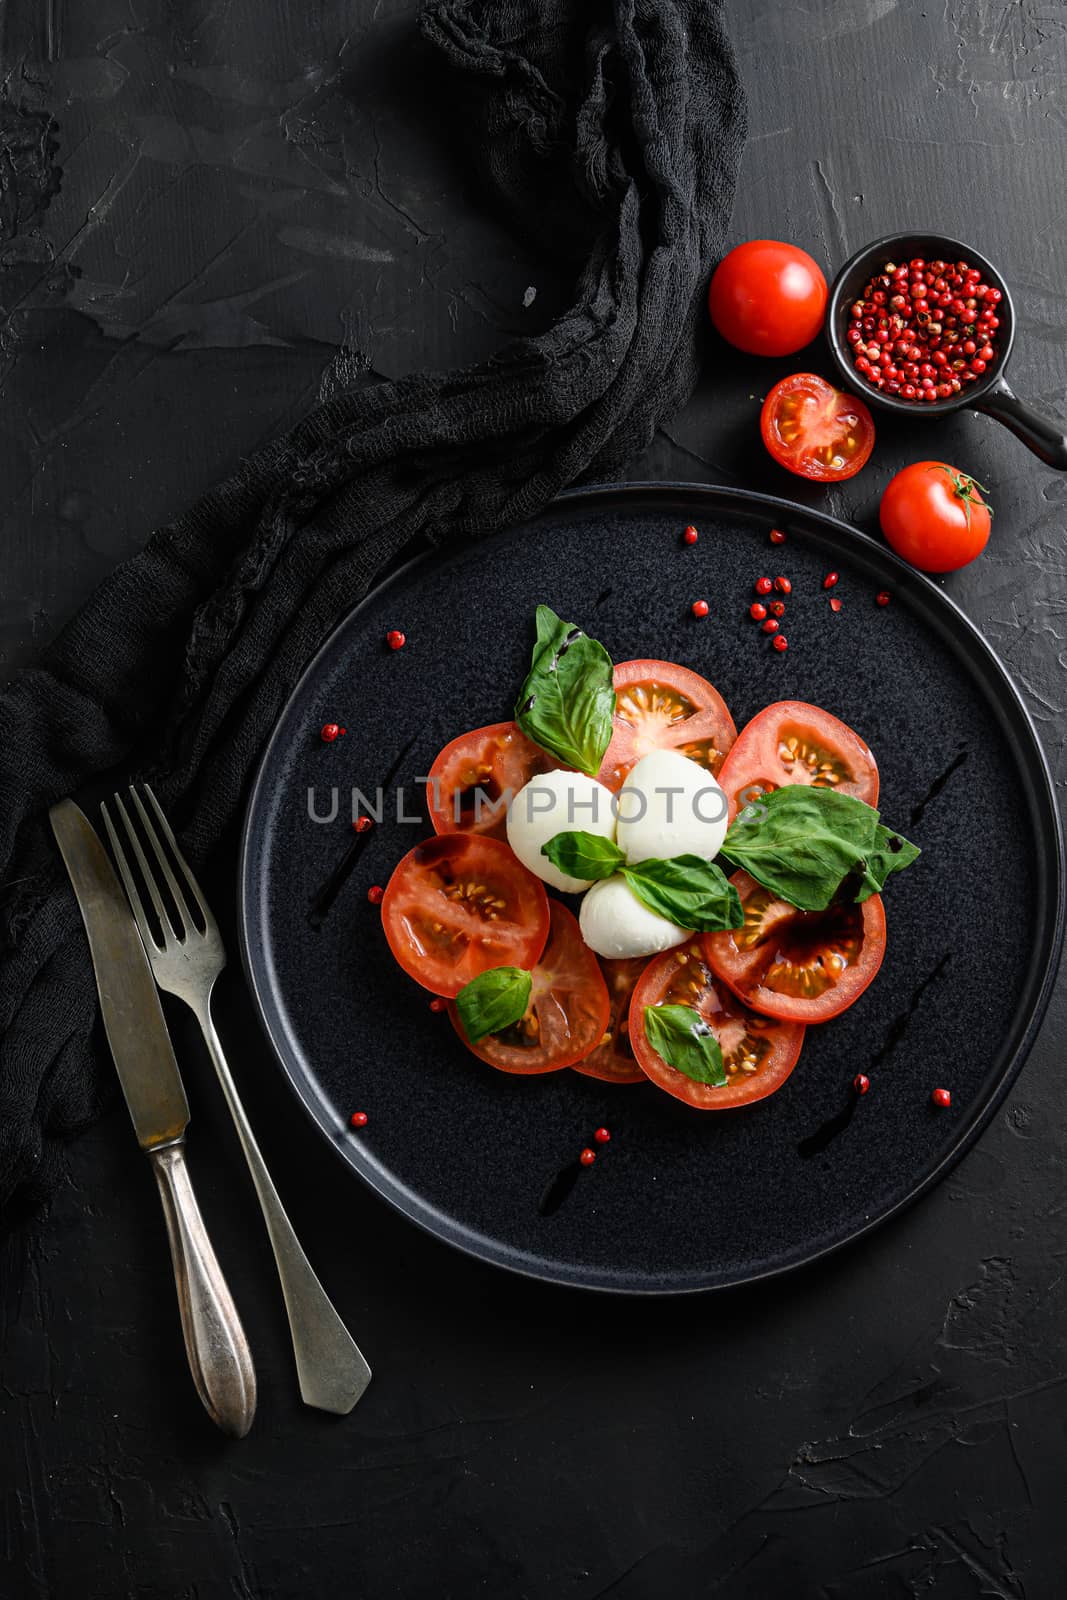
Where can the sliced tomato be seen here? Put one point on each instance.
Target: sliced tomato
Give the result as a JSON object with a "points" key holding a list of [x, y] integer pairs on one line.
{"points": [[815, 430], [475, 776], [568, 1010], [758, 1052], [792, 742], [662, 706], [802, 966], [613, 1058], [458, 904]]}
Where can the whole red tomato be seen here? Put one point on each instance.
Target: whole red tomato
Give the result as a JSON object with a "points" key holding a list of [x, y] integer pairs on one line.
{"points": [[768, 298], [934, 516]]}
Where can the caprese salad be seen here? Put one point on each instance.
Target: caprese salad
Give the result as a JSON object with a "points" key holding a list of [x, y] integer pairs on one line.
{"points": [[630, 787]]}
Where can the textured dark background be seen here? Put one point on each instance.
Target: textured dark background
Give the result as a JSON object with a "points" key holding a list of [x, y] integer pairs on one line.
{"points": [[240, 206]]}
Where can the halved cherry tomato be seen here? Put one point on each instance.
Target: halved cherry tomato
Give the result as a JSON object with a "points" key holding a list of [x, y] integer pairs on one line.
{"points": [[802, 966], [758, 1053], [934, 516], [661, 706], [458, 904], [815, 430], [567, 1013], [792, 742], [475, 776], [613, 1059], [768, 298]]}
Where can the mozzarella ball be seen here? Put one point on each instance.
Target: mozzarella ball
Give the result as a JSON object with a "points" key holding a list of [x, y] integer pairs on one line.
{"points": [[615, 923], [670, 806], [557, 802]]}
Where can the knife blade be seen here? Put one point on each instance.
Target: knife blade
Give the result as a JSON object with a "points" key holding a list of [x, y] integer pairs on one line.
{"points": [[129, 1000], [215, 1343]]}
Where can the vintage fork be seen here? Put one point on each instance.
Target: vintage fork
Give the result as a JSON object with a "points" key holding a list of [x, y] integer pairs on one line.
{"points": [[331, 1370]]}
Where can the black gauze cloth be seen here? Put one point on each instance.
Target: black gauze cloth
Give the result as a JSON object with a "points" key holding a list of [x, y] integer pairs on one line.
{"points": [[615, 128]]}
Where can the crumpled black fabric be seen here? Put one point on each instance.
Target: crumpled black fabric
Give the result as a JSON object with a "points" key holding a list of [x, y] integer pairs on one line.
{"points": [[614, 128]]}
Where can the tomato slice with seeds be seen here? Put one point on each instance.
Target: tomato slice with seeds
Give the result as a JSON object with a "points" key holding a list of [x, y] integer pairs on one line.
{"points": [[568, 1010], [792, 742], [815, 430], [802, 966], [758, 1052], [475, 776], [613, 1058], [662, 706], [458, 904]]}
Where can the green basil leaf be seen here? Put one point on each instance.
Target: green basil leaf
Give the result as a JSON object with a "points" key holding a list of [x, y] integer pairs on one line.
{"points": [[493, 1000], [891, 853], [682, 1037], [688, 891], [567, 702], [801, 843], [584, 855]]}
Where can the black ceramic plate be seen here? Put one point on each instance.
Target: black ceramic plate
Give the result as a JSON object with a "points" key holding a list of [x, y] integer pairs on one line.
{"points": [[678, 1200]]}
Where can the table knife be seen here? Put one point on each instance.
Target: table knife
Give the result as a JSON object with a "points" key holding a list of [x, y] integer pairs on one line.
{"points": [[219, 1357]]}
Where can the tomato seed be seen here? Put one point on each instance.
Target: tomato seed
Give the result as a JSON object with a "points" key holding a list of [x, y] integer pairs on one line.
{"points": [[770, 626], [358, 1119], [941, 1097], [829, 580], [375, 894], [700, 608], [330, 731], [783, 585], [781, 642], [587, 1157], [602, 1136], [395, 639], [764, 585], [861, 1083], [882, 598], [690, 535], [756, 611]]}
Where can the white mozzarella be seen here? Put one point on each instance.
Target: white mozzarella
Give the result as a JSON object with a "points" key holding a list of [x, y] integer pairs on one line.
{"points": [[615, 923], [670, 806], [557, 802]]}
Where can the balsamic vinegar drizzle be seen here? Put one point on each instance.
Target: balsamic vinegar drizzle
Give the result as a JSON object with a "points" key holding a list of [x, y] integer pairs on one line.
{"points": [[322, 901]]}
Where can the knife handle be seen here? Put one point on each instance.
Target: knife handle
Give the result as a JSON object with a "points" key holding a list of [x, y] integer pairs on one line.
{"points": [[219, 1357]]}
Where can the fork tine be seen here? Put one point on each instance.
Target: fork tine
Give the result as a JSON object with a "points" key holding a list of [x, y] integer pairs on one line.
{"points": [[133, 894], [190, 877], [165, 867]]}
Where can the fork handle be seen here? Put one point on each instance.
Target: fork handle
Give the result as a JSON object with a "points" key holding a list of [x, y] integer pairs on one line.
{"points": [[330, 1367], [219, 1357]]}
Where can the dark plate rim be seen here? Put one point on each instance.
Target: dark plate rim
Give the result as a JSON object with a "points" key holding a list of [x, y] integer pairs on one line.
{"points": [[777, 508]]}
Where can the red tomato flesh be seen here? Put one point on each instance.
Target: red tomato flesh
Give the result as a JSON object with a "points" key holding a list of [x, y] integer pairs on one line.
{"points": [[758, 1052], [459, 904], [801, 966], [662, 706], [815, 430], [792, 742], [613, 1058], [568, 1011], [768, 298], [475, 777]]}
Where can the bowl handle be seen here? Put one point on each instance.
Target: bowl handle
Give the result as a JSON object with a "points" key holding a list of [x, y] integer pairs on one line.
{"points": [[1045, 436]]}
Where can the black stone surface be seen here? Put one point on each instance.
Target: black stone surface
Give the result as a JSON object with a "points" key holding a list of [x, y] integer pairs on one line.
{"points": [[242, 203]]}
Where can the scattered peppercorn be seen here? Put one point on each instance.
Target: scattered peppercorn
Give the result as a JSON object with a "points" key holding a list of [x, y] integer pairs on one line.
{"points": [[777, 536], [882, 598], [690, 535], [829, 580], [358, 1119], [781, 643], [395, 639], [941, 1097], [764, 585], [329, 732], [861, 1083], [602, 1136], [375, 894], [587, 1157], [700, 608]]}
